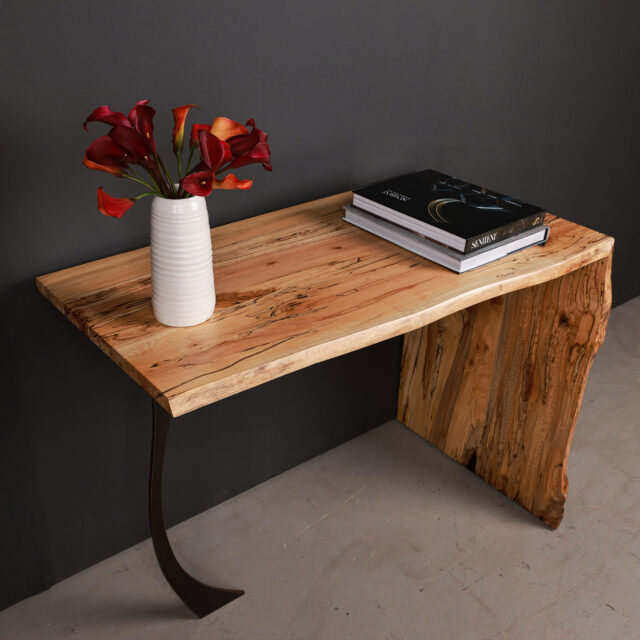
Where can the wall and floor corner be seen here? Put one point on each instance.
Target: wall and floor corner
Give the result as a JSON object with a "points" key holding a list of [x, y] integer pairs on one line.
{"points": [[540, 102]]}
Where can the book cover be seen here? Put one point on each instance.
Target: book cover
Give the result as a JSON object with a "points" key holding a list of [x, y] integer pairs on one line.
{"points": [[459, 214]]}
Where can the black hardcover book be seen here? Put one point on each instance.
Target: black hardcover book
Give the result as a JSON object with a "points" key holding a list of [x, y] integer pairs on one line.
{"points": [[459, 214], [450, 258]]}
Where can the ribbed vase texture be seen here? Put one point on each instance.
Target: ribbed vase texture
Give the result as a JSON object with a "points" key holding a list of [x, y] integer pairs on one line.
{"points": [[182, 286]]}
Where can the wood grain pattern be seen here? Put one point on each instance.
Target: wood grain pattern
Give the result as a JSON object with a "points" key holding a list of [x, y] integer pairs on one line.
{"points": [[294, 287], [498, 386]]}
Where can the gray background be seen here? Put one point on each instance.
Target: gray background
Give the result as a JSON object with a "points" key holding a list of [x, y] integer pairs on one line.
{"points": [[540, 100]]}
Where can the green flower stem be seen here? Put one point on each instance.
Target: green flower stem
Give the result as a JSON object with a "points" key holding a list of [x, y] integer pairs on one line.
{"points": [[179, 157], [137, 178], [158, 182], [159, 162], [137, 175], [166, 181], [156, 178], [143, 195], [189, 160]]}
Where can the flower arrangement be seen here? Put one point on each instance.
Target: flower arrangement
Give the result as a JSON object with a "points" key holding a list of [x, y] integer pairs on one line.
{"points": [[223, 145]]}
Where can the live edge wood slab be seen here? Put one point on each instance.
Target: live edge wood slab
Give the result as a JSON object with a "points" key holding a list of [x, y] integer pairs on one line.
{"points": [[495, 360]]}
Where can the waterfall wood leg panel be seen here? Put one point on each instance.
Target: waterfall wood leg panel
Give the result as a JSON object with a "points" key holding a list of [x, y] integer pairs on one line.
{"points": [[498, 386], [495, 360]]}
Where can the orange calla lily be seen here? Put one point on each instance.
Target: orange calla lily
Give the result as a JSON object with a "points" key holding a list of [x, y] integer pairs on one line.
{"points": [[114, 207], [225, 128], [179, 116], [231, 182]]}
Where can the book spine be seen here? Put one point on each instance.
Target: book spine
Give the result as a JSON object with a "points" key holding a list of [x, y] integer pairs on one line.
{"points": [[497, 235]]}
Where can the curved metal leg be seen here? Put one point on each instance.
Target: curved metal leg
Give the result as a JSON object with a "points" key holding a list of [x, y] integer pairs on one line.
{"points": [[200, 598]]}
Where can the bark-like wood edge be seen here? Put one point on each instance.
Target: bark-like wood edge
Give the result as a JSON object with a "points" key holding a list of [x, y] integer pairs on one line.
{"points": [[498, 386]]}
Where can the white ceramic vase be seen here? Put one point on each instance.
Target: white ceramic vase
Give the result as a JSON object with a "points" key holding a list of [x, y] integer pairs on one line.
{"points": [[182, 286]]}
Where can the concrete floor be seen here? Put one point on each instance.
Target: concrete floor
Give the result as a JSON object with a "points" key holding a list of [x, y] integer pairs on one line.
{"points": [[386, 538]]}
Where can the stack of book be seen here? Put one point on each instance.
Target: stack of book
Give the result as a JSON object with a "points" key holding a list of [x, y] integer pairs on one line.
{"points": [[454, 223]]}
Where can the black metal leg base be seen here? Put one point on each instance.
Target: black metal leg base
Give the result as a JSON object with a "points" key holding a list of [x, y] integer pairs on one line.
{"points": [[200, 598]]}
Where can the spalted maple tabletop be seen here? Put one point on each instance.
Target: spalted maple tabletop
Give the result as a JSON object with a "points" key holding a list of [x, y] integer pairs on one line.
{"points": [[294, 287]]}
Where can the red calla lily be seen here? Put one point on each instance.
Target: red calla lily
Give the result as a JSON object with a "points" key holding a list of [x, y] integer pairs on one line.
{"points": [[114, 207], [231, 182], [142, 120], [112, 169], [250, 148], [223, 144], [198, 183], [104, 114], [215, 152], [224, 128], [133, 143], [133, 114], [106, 151], [195, 130], [179, 116]]}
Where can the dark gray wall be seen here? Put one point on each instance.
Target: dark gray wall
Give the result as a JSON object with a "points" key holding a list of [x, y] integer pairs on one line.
{"points": [[540, 100]]}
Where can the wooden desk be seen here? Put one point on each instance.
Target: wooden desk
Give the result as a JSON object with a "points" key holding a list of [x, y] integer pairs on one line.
{"points": [[494, 363]]}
